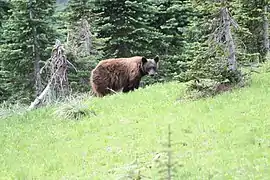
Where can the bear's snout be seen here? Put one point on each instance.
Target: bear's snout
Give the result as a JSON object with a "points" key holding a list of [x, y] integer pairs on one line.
{"points": [[151, 73]]}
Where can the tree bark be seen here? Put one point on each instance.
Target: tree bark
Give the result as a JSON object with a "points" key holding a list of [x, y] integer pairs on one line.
{"points": [[36, 54], [265, 30], [39, 99], [229, 39], [36, 64], [87, 35]]}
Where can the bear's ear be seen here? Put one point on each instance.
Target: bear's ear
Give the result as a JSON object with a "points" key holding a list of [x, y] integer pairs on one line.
{"points": [[144, 60], [156, 58]]}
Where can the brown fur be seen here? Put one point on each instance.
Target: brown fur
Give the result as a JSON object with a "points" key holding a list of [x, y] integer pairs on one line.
{"points": [[122, 74]]}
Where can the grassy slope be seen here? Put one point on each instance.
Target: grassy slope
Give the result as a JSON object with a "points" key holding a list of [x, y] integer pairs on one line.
{"points": [[226, 137]]}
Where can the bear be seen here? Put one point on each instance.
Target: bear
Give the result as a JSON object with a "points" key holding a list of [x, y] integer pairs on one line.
{"points": [[121, 74]]}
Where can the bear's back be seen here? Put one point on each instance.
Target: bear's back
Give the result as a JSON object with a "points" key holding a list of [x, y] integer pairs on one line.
{"points": [[136, 59], [120, 64]]}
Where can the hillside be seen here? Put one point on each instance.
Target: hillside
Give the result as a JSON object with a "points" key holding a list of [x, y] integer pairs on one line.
{"points": [[226, 137]]}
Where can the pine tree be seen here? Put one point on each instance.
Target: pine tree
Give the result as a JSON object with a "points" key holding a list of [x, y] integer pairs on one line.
{"points": [[211, 50], [171, 19], [81, 28], [125, 25], [82, 44], [26, 37], [4, 7], [253, 16]]}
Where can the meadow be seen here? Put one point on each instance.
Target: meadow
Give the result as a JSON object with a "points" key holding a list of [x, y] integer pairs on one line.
{"points": [[224, 137]]}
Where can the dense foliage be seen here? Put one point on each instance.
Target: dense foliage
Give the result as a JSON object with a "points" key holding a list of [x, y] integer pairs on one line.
{"points": [[82, 46], [27, 35], [195, 39]]}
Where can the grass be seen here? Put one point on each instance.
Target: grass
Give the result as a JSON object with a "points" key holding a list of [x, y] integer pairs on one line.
{"points": [[225, 137]]}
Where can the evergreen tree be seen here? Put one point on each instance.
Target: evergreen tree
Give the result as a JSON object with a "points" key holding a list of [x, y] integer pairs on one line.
{"points": [[4, 7], [79, 19], [210, 50], [253, 16], [171, 19], [125, 25], [82, 44], [26, 35]]}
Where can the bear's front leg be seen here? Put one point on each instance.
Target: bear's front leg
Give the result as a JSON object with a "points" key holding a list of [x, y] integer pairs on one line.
{"points": [[136, 84], [126, 89], [131, 86]]}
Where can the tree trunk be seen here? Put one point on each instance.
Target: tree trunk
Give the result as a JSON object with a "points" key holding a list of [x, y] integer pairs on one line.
{"points": [[87, 35], [265, 30], [39, 99], [229, 39], [36, 54], [36, 64]]}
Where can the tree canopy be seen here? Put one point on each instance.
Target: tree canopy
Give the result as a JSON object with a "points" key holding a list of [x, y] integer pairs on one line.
{"points": [[195, 39]]}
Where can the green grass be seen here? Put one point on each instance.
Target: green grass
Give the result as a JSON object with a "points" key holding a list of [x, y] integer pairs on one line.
{"points": [[225, 137]]}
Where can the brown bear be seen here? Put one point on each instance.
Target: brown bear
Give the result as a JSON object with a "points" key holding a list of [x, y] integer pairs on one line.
{"points": [[121, 74]]}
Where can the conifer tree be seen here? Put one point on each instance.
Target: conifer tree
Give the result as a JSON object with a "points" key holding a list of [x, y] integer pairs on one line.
{"points": [[253, 16], [211, 52], [4, 7], [171, 19], [125, 24], [26, 35], [82, 44], [79, 18]]}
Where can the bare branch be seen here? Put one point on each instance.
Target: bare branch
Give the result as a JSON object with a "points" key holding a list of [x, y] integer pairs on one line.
{"points": [[72, 65], [57, 84]]}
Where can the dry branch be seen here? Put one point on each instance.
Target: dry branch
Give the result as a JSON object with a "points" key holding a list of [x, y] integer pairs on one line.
{"points": [[56, 70]]}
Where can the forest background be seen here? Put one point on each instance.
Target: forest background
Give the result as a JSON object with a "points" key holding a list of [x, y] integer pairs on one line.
{"points": [[195, 39]]}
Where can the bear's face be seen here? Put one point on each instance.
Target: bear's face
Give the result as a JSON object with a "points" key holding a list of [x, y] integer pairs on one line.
{"points": [[150, 66]]}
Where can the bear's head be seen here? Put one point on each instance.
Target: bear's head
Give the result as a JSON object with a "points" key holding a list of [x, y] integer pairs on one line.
{"points": [[150, 66]]}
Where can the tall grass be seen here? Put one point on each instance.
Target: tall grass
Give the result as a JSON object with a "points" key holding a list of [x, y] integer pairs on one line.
{"points": [[224, 137]]}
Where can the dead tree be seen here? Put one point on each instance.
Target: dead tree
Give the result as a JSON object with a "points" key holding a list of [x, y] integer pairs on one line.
{"points": [[56, 71], [80, 38], [223, 34], [86, 35], [229, 39], [58, 67]]}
